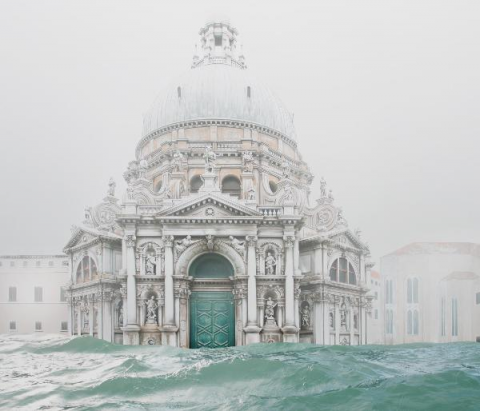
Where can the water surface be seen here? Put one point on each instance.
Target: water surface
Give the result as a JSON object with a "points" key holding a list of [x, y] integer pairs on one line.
{"points": [[57, 373]]}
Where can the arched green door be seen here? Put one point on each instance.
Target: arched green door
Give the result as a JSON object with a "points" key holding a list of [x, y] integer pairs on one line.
{"points": [[212, 316]]}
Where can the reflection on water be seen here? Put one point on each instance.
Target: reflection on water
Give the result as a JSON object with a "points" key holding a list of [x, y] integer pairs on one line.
{"points": [[55, 373]]}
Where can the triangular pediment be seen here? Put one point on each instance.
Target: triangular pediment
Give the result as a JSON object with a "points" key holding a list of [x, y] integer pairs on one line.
{"points": [[85, 235], [347, 238], [210, 206]]}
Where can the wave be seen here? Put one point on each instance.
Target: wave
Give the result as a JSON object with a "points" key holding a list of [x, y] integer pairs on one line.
{"points": [[54, 372]]}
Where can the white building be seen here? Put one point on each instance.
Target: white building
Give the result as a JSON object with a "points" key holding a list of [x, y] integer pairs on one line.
{"points": [[215, 242], [31, 295], [375, 329], [432, 293]]}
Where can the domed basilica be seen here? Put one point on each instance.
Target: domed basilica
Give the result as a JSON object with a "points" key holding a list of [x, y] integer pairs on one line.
{"points": [[215, 242]]}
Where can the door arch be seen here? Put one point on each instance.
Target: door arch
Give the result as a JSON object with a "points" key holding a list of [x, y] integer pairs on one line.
{"points": [[212, 309]]}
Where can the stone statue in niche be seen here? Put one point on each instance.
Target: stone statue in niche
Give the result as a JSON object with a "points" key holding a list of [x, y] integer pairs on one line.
{"points": [[182, 245], [331, 318], [306, 316], [248, 162], [120, 316], [151, 310], [251, 194], [343, 316], [111, 187], [210, 158], [150, 264], [270, 264], [270, 312], [238, 245]]}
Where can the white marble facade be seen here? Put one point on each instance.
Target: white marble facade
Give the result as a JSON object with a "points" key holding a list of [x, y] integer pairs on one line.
{"points": [[217, 172]]}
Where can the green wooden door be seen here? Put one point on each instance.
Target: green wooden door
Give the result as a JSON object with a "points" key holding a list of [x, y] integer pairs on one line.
{"points": [[212, 322]]}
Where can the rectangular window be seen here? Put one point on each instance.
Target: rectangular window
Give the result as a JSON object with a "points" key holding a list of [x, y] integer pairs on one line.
{"points": [[454, 317], [12, 263], [389, 320], [64, 326], [38, 294], [13, 326], [376, 314], [38, 326], [376, 295], [12, 294], [478, 298], [63, 296], [218, 41]]}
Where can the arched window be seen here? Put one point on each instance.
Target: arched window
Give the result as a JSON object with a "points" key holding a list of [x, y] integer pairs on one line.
{"points": [[195, 184], [342, 271], [231, 185], [412, 291], [86, 270], [389, 321], [179, 92], [249, 92], [211, 265], [409, 322]]}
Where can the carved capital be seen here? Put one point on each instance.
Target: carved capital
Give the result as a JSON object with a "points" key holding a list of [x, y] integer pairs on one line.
{"points": [[289, 241], [130, 240], [168, 240], [251, 240]]}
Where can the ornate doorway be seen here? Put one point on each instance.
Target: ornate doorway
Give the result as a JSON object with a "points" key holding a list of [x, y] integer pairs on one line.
{"points": [[212, 314]]}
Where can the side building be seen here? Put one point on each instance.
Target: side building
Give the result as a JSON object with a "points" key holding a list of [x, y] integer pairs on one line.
{"points": [[432, 293], [32, 297]]}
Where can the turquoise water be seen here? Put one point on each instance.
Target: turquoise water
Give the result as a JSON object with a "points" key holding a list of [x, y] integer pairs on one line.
{"points": [[54, 373]]}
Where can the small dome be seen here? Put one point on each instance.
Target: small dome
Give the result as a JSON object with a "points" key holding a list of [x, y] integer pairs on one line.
{"points": [[219, 92]]}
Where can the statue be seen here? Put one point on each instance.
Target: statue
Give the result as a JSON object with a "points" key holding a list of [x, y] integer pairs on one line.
{"points": [[323, 188], [340, 219], [210, 242], [332, 320], [270, 312], [270, 264], [238, 245], [150, 264], [343, 316], [120, 317], [306, 316], [251, 194], [111, 187], [330, 195], [130, 195], [151, 310], [210, 158], [248, 162], [288, 194], [286, 168], [182, 245], [178, 161]]}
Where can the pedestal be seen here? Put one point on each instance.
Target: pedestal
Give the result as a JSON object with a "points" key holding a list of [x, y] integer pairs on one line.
{"points": [[252, 334], [131, 335], [169, 335], [290, 334]]}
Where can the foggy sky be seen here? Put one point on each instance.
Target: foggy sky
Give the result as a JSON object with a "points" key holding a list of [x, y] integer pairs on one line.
{"points": [[385, 96]]}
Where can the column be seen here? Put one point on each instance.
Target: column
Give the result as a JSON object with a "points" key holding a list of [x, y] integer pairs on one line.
{"points": [[252, 329], [79, 318], [337, 323], [318, 325], [107, 316], [169, 329], [296, 257], [91, 310], [350, 320], [318, 261], [131, 330], [289, 331]]}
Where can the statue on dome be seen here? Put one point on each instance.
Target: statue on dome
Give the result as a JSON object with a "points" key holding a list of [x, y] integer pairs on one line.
{"points": [[111, 187], [247, 161], [210, 158], [178, 161], [323, 188], [286, 168]]}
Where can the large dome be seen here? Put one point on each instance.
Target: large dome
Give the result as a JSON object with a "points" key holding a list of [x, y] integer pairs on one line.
{"points": [[219, 92]]}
